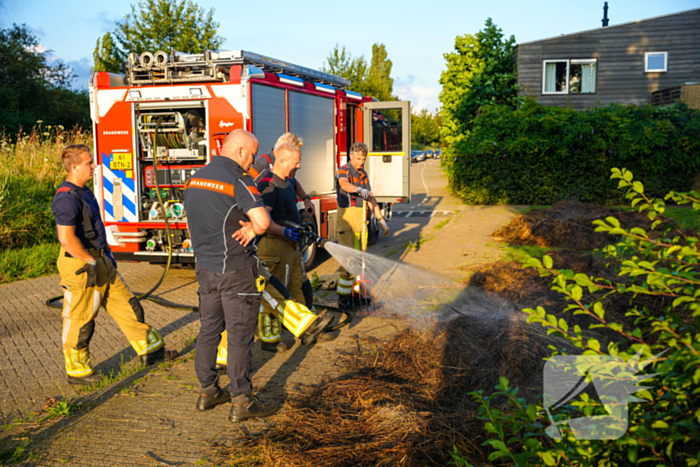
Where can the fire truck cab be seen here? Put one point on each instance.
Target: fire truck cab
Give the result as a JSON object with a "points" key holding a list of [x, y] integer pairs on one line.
{"points": [[168, 114]]}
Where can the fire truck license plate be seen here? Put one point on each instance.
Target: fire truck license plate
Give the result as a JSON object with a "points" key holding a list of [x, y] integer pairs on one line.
{"points": [[121, 161]]}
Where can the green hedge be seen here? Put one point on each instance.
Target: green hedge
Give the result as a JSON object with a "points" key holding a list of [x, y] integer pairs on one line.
{"points": [[540, 155]]}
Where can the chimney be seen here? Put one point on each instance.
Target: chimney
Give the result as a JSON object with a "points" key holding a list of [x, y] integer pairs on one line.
{"points": [[605, 14]]}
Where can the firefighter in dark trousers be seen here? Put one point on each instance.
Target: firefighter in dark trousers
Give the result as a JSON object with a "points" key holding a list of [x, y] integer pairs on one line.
{"points": [[353, 190], [261, 166], [278, 248], [224, 213], [89, 275]]}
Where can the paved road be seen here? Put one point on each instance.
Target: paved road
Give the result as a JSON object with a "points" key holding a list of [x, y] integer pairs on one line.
{"points": [[157, 420], [31, 367]]}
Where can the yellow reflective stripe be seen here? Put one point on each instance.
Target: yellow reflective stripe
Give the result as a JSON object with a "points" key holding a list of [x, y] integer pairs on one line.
{"points": [[222, 355], [153, 342], [78, 362], [306, 322], [269, 329], [292, 315]]}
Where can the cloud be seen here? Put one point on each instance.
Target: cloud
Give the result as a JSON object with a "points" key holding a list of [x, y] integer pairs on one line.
{"points": [[421, 97], [81, 68], [106, 21], [37, 49]]}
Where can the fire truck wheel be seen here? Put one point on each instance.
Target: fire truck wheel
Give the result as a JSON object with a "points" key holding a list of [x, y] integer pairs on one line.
{"points": [[309, 254]]}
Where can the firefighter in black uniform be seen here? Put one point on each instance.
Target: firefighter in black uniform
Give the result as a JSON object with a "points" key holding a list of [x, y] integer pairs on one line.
{"points": [[262, 167], [224, 214]]}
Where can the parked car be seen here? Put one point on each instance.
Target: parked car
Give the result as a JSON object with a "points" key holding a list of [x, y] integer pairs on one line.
{"points": [[438, 153], [417, 156], [429, 154]]}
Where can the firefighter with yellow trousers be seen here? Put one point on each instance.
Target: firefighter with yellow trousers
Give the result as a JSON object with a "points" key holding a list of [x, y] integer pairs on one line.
{"points": [[89, 275], [353, 190], [278, 248]]}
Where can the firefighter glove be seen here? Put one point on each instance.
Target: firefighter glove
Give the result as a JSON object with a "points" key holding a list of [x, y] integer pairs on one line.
{"points": [[109, 255], [364, 193], [90, 269], [385, 228], [292, 234]]}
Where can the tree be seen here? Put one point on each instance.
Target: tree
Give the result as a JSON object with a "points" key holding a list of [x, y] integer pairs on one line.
{"points": [[480, 71], [341, 63], [33, 89], [424, 129], [156, 25], [107, 56], [369, 80], [379, 83]]}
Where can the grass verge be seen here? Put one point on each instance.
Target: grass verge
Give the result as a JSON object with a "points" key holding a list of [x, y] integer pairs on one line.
{"points": [[685, 217], [30, 173], [28, 262]]}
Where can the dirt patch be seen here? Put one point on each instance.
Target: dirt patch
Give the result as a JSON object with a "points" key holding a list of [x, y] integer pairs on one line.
{"points": [[405, 403], [568, 224]]}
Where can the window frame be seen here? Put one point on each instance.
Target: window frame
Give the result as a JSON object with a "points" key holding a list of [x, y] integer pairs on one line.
{"points": [[646, 62], [569, 61], [544, 76], [584, 61]]}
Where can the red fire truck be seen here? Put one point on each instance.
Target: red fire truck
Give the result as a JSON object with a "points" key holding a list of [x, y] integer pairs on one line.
{"points": [[168, 114]]}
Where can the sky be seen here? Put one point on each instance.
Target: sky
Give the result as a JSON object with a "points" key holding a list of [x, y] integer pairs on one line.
{"points": [[416, 34]]}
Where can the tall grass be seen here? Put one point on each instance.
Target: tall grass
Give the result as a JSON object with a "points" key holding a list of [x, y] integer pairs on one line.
{"points": [[30, 173]]}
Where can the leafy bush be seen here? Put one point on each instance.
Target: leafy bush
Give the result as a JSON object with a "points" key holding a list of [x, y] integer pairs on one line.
{"points": [[664, 428], [536, 154]]}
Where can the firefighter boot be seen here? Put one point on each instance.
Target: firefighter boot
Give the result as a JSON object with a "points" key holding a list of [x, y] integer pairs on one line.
{"points": [[274, 347], [78, 367], [160, 355], [315, 329], [85, 380], [212, 396], [248, 406]]}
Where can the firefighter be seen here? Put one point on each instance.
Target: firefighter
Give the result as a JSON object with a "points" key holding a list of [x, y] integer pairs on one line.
{"points": [[261, 166], [353, 190], [278, 249], [224, 206], [89, 275], [264, 163]]}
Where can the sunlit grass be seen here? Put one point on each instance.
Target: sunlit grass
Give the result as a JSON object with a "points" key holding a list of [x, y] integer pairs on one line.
{"points": [[30, 174]]}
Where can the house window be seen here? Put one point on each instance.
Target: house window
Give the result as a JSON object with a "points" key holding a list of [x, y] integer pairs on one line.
{"points": [[655, 62], [556, 77], [576, 76], [582, 76]]}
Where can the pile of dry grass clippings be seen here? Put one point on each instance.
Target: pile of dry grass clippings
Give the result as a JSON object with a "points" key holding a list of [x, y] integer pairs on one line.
{"points": [[406, 403], [568, 224]]}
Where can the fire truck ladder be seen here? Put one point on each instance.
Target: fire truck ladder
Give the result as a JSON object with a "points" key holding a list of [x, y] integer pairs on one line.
{"points": [[179, 67]]}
